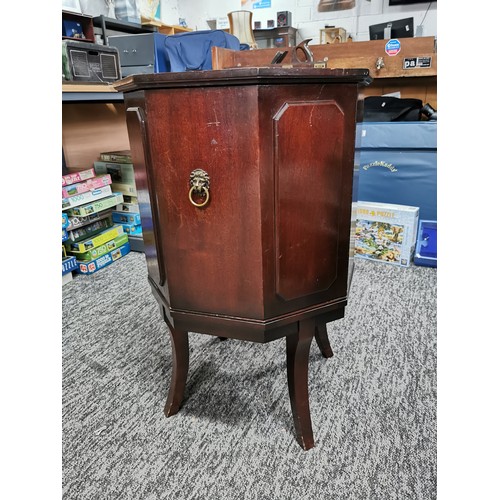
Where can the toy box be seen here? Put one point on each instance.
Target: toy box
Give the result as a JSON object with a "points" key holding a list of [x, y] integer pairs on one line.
{"points": [[126, 189], [122, 156], [85, 198], [101, 250], [100, 239], [126, 217], [65, 234], [78, 176], [78, 222], [133, 229], [85, 232], [85, 186], [386, 232], [120, 172], [103, 261], [69, 264], [65, 221], [128, 207], [96, 206], [426, 248], [398, 164]]}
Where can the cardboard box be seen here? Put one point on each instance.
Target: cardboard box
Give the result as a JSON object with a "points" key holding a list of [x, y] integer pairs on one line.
{"points": [[122, 173], [96, 206], [426, 248], [100, 239], [126, 217], [103, 249], [85, 198], [78, 222], [78, 176], [69, 264], [125, 189], [65, 221], [85, 232], [103, 261], [133, 229], [85, 186], [398, 164], [386, 232]]}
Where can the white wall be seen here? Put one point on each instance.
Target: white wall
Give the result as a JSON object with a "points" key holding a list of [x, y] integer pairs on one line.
{"points": [[305, 16]]}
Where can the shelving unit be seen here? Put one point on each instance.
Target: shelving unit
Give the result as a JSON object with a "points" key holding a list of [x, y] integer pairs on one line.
{"points": [[93, 120], [86, 23]]}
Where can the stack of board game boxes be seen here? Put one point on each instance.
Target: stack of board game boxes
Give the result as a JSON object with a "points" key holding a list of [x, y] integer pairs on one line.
{"points": [[91, 239], [118, 165]]}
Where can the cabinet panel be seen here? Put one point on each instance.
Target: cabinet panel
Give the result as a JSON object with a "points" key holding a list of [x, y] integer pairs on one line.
{"points": [[308, 177]]}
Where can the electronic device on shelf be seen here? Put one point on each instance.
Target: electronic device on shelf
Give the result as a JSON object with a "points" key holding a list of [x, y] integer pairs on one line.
{"points": [[401, 28]]}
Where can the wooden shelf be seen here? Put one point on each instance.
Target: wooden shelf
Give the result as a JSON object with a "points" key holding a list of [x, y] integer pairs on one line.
{"points": [[166, 29]]}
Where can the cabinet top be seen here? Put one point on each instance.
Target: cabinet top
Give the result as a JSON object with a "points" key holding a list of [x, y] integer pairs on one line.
{"points": [[243, 76]]}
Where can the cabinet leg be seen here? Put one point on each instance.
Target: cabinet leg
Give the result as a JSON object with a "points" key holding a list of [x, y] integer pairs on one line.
{"points": [[321, 336], [297, 354], [180, 365]]}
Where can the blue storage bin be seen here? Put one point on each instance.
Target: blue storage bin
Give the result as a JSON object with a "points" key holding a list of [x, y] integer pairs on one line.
{"points": [[398, 164]]}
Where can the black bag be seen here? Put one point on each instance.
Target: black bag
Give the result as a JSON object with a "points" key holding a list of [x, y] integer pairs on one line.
{"points": [[391, 109]]}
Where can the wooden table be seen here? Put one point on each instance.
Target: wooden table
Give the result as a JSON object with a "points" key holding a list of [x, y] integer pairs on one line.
{"points": [[244, 182]]}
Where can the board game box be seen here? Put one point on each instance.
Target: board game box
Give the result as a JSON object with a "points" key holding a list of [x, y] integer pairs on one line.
{"points": [[123, 156], [85, 186], [120, 172], [104, 260], [133, 229], [386, 232], [96, 206], [69, 264], [89, 230], [101, 250], [126, 189], [85, 198], [78, 176], [100, 239], [65, 221], [78, 222], [126, 217]]}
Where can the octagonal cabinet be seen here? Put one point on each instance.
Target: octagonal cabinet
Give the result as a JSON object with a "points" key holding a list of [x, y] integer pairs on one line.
{"points": [[245, 181]]}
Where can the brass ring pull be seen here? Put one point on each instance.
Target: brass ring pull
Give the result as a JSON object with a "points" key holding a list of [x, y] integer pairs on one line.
{"points": [[199, 181], [207, 195]]}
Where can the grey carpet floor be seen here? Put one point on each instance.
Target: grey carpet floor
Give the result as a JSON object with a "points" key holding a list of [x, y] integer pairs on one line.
{"points": [[373, 405]]}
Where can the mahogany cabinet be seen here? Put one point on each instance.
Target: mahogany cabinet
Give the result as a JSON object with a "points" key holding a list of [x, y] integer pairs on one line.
{"points": [[245, 180]]}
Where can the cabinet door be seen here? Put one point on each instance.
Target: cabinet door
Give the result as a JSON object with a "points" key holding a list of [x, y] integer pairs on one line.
{"points": [[310, 154], [212, 252]]}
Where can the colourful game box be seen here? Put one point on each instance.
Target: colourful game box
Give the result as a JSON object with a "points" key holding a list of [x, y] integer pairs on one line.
{"points": [[85, 198], [120, 172], [89, 230], [128, 207], [103, 261], [101, 250], [386, 232], [133, 229], [65, 235], [126, 217], [85, 186], [97, 206], [69, 264], [78, 176], [100, 239], [78, 222], [126, 189], [65, 221]]}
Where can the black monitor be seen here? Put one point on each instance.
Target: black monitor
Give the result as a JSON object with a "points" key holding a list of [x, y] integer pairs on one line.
{"points": [[402, 28]]}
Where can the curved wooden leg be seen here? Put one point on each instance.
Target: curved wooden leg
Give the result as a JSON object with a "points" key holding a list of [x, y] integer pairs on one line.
{"points": [[180, 365], [297, 354], [321, 336]]}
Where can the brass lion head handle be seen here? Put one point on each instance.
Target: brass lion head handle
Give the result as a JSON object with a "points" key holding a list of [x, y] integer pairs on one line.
{"points": [[199, 181]]}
